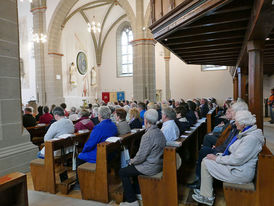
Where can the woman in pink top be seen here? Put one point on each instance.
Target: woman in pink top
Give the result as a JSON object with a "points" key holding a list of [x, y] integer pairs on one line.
{"points": [[84, 122], [46, 117]]}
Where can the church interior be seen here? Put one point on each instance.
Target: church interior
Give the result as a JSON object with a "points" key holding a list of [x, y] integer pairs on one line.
{"points": [[75, 71]]}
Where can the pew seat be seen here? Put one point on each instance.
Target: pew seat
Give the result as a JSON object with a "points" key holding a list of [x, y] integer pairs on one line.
{"points": [[94, 178], [257, 193], [43, 171], [248, 186]]}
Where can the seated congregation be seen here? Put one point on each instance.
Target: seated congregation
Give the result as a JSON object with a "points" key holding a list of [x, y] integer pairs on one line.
{"points": [[229, 153]]}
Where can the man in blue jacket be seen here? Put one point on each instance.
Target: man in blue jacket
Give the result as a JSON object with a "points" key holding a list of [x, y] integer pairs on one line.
{"points": [[106, 128]]}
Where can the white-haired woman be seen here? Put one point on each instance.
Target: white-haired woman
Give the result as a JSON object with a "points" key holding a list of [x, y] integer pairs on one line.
{"points": [[148, 160], [238, 162]]}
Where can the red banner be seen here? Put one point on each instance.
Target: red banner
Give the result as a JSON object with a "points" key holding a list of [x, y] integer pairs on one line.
{"points": [[105, 97]]}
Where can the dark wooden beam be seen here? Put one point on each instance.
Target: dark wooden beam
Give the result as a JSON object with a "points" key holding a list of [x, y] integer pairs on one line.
{"points": [[224, 28], [184, 17], [221, 19], [206, 45], [255, 80], [212, 58], [183, 51], [235, 88], [222, 62], [207, 37], [208, 54]]}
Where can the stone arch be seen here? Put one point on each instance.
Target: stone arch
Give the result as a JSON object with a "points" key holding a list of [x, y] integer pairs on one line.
{"points": [[54, 88], [60, 14]]}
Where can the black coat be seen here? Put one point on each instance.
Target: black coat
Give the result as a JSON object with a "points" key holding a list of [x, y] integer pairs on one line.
{"points": [[135, 124], [191, 117], [28, 120]]}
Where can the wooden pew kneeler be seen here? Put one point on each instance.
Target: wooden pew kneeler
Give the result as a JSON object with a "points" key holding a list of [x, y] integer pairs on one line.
{"points": [[163, 185]]}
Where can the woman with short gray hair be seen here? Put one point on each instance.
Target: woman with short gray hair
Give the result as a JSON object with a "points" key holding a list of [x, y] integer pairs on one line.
{"points": [[237, 163], [148, 160], [104, 113]]}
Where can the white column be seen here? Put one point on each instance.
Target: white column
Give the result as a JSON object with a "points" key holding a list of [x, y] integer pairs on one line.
{"points": [[38, 9]]}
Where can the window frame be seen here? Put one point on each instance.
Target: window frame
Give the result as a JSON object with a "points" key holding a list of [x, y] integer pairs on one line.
{"points": [[119, 53], [210, 68]]}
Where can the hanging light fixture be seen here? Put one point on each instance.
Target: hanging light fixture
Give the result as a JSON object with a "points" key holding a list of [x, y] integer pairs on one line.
{"points": [[95, 27], [37, 38]]}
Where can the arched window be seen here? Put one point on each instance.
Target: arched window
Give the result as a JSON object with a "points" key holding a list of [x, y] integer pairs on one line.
{"points": [[124, 50]]}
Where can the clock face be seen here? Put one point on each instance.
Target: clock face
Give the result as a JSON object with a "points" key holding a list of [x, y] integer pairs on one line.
{"points": [[82, 63]]}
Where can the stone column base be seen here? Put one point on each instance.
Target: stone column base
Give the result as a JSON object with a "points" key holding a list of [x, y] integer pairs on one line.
{"points": [[17, 157]]}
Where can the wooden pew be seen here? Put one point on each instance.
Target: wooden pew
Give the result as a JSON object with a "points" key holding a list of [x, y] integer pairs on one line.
{"points": [[257, 193], [43, 170], [93, 177], [37, 134], [13, 189], [223, 136], [210, 119], [162, 189]]}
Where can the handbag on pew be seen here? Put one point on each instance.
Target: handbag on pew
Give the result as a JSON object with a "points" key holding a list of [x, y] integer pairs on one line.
{"points": [[125, 158]]}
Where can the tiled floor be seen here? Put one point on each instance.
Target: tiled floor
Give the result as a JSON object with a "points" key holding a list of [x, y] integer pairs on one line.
{"points": [[74, 197]]}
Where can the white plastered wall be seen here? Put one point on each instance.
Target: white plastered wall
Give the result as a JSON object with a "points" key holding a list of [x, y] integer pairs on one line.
{"points": [[188, 81], [76, 38], [108, 70]]}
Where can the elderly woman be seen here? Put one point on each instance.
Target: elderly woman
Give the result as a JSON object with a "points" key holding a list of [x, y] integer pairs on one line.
{"points": [[135, 119], [84, 122], [148, 160], [106, 128], [122, 126], [237, 163]]}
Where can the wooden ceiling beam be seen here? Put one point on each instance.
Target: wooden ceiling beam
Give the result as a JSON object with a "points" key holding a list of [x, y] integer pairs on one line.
{"points": [[221, 19], [221, 63], [203, 45], [217, 58], [186, 55], [207, 37], [238, 26], [216, 48], [231, 9]]}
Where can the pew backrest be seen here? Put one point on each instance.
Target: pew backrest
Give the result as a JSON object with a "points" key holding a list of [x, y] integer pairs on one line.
{"points": [[13, 189]]}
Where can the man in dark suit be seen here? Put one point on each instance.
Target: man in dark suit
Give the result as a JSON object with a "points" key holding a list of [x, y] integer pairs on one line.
{"points": [[204, 107], [28, 119]]}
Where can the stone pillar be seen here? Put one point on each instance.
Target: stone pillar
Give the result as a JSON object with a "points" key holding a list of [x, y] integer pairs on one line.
{"points": [[167, 60], [144, 69], [16, 150], [144, 86], [235, 88], [255, 79], [38, 9]]}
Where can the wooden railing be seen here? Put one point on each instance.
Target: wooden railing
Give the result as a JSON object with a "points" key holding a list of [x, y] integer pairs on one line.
{"points": [[160, 8]]}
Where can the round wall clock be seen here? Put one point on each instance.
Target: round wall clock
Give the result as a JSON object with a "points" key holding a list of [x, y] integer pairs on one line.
{"points": [[81, 61]]}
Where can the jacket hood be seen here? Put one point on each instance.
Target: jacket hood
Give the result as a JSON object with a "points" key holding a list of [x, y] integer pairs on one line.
{"points": [[254, 131]]}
